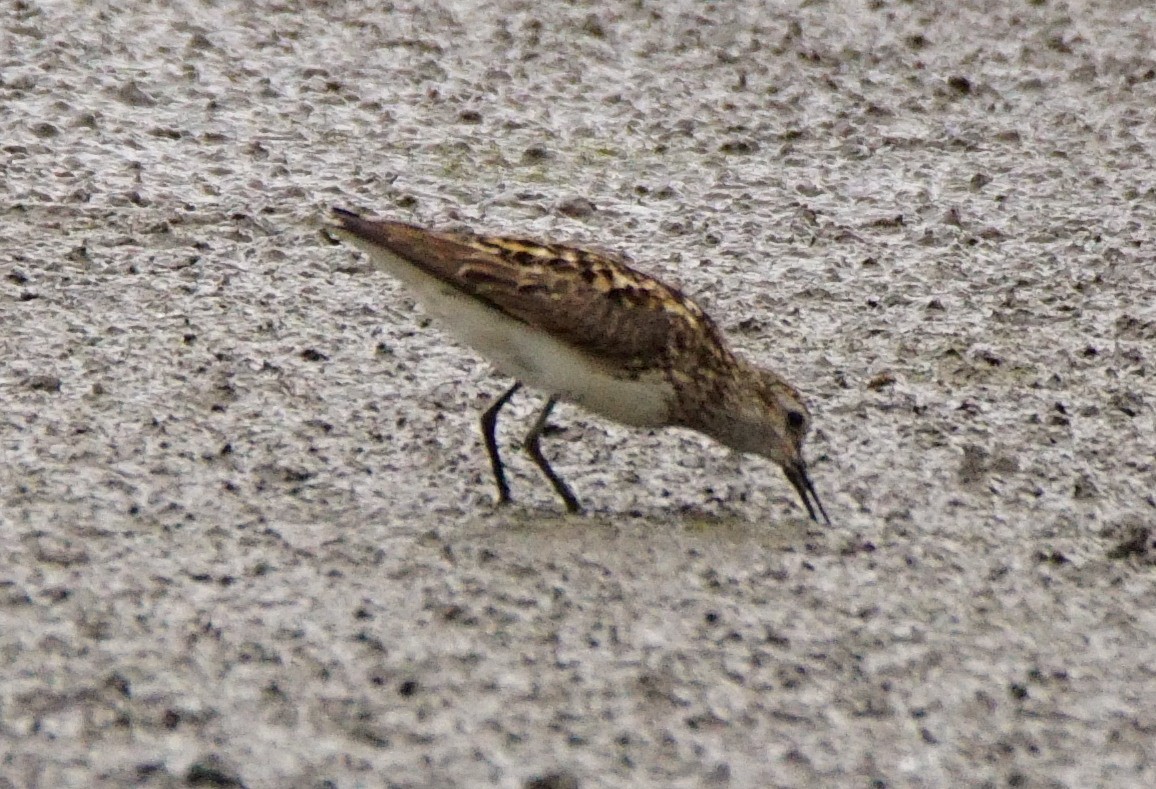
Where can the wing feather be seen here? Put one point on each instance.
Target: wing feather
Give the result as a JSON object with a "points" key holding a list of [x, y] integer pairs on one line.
{"points": [[592, 301]]}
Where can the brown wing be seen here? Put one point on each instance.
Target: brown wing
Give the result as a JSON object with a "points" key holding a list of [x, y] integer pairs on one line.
{"points": [[591, 301]]}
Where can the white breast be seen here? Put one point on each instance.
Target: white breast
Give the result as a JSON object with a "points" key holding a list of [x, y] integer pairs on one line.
{"points": [[533, 357]]}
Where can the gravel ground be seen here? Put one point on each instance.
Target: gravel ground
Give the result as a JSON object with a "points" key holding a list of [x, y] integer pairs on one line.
{"points": [[248, 536]]}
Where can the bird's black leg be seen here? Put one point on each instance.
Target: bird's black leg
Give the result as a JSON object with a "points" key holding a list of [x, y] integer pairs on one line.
{"points": [[530, 444], [489, 425]]}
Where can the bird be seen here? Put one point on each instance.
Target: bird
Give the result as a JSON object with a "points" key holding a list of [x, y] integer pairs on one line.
{"points": [[588, 328]]}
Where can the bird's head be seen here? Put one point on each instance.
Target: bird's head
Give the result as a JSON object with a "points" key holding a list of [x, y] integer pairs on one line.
{"points": [[772, 420]]}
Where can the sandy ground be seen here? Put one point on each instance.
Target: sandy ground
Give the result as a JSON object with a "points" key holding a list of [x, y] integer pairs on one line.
{"points": [[246, 520]]}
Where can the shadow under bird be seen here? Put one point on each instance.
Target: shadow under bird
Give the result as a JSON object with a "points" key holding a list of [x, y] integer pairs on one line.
{"points": [[587, 328]]}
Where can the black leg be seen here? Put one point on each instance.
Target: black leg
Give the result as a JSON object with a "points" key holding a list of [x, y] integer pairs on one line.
{"points": [[489, 425], [531, 446]]}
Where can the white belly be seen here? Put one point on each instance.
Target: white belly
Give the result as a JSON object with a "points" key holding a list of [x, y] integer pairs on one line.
{"points": [[534, 358]]}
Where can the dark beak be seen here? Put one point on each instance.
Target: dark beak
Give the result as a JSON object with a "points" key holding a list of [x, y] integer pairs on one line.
{"points": [[797, 474]]}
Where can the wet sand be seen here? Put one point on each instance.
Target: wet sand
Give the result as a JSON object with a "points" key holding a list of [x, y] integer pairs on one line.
{"points": [[246, 514]]}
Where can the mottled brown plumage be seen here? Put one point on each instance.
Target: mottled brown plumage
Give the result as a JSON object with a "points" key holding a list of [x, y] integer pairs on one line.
{"points": [[589, 328], [588, 300]]}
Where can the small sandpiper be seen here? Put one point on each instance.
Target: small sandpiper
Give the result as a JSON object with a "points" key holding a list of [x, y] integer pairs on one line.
{"points": [[587, 328]]}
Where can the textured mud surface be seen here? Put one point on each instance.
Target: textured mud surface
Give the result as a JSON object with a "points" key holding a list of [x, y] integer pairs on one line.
{"points": [[245, 525]]}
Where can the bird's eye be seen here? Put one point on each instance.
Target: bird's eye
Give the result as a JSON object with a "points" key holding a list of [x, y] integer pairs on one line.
{"points": [[796, 420]]}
